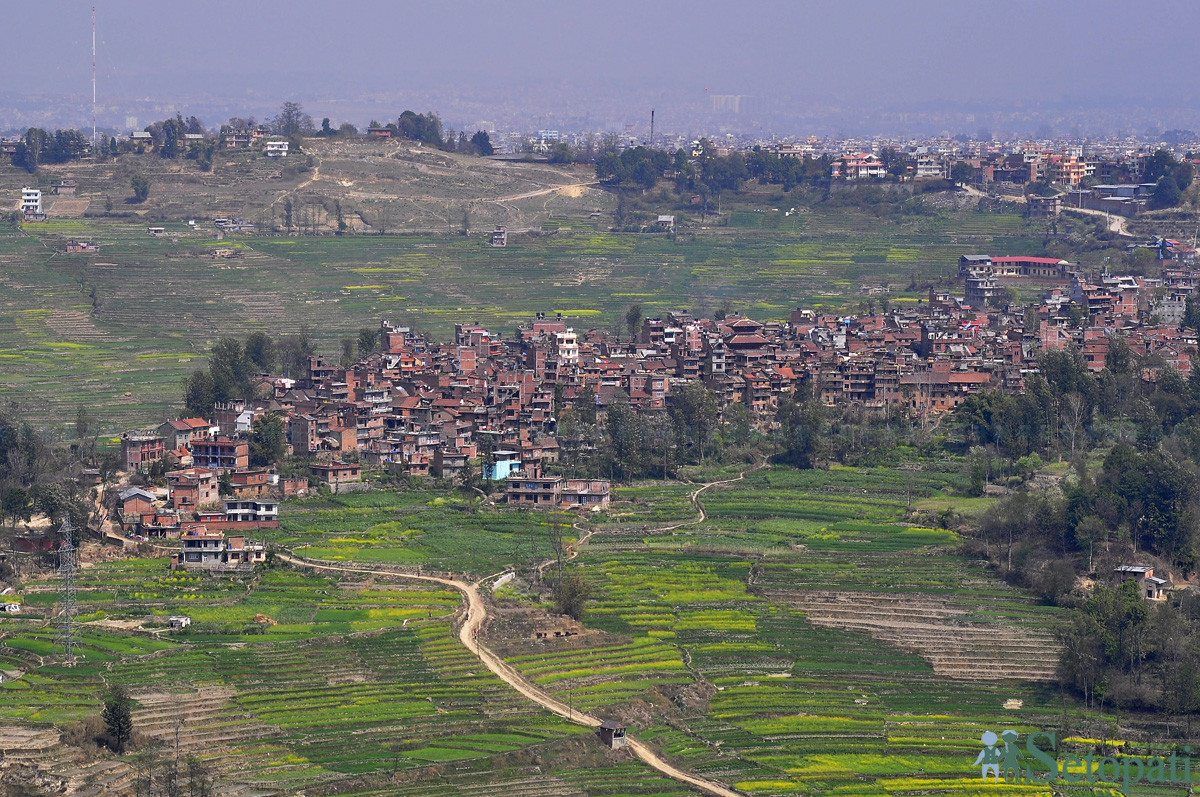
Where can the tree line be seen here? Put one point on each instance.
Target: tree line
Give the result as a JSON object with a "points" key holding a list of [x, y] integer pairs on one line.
{"points": [[1130, 496], [37, 474]]}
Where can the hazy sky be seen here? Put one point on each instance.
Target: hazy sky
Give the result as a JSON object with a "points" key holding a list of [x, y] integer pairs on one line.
{"points": [[529, 55]]}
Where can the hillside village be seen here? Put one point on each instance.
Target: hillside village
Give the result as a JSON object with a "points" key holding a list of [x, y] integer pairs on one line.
{"points": [[489, 404]]}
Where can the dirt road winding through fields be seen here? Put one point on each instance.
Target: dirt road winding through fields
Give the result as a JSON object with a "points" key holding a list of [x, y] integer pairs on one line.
{"points": [[477, 614]]}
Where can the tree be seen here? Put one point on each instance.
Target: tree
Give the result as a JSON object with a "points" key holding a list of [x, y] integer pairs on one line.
{"points": [[962, 173], [487, 457], [268, 443], [15, 505], [1158, 165], [799, 434], [368, 337], [341, 220], [347, 352], [585, 405], [468, 476], [287, 214], [894, 162], [694, 411], [118, 717], [201, 779], [482, 143], [141, 188], [1166, 193], [260, 351], [83, 422], [291, 120], [229, 371], [198, 394], [53, 501], [426, 128], [633, 319], [168, 136], [571, 594], [624, 449], [294, 351], [31, 149]]}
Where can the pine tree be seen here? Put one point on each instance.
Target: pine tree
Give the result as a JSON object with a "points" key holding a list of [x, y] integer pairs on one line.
{"points": [[118, 717]]}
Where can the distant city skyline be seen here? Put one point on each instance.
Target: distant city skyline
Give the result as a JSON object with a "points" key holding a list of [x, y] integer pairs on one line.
{"points": [[820, 67]]}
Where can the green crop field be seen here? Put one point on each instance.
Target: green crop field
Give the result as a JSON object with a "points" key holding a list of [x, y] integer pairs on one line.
{"points": [[806, 638]]}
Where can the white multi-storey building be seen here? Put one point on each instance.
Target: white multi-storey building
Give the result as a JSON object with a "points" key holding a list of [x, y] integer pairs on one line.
{"points": [[31, 200]]}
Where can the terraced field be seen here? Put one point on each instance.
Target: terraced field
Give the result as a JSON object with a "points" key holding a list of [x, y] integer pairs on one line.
{"points": [[832, 647], [805, 638], [272, 700]]}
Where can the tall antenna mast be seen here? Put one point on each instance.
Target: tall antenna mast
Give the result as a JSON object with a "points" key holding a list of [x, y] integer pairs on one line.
{"points": [[93, 81], [651, 128]]}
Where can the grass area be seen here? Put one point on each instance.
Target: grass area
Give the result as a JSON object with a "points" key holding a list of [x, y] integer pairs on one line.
{"points": [[59, 352], [431, 529]]}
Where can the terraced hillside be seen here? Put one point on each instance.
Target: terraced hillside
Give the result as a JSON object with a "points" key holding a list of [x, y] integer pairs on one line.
{"points": [[285, 682], [945, 635], [803, 638], [830, 647]]}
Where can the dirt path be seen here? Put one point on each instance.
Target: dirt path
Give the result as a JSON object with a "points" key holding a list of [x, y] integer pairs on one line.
{"points": [[477, 614], [586, 533], [695, 499], [1115, 223], [581, 187], [316, 175]]}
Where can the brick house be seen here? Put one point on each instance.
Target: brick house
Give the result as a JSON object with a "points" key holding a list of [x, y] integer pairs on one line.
{"points": [[192, 488], [337, 472], [221, 453], [141, 448]]}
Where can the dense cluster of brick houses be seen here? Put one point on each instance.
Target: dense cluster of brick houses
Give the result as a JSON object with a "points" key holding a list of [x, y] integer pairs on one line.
{"points": [[416, 408], [191, 505]]}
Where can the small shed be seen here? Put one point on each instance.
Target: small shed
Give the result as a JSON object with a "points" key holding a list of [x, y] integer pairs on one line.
{"points": [[179, 622], [612, 733]]}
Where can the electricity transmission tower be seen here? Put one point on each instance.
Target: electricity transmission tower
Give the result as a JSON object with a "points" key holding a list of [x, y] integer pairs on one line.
{"points": [[67, 609]]}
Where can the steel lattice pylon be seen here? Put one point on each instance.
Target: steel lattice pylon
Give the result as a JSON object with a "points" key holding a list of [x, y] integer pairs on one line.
{"points": [[67, 609]]}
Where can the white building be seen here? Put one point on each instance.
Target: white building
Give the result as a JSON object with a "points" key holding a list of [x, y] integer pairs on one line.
{"points": [[277, 149], [929, 167], [568, 347], [211, 550], [251, 510], [31, 200]]}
